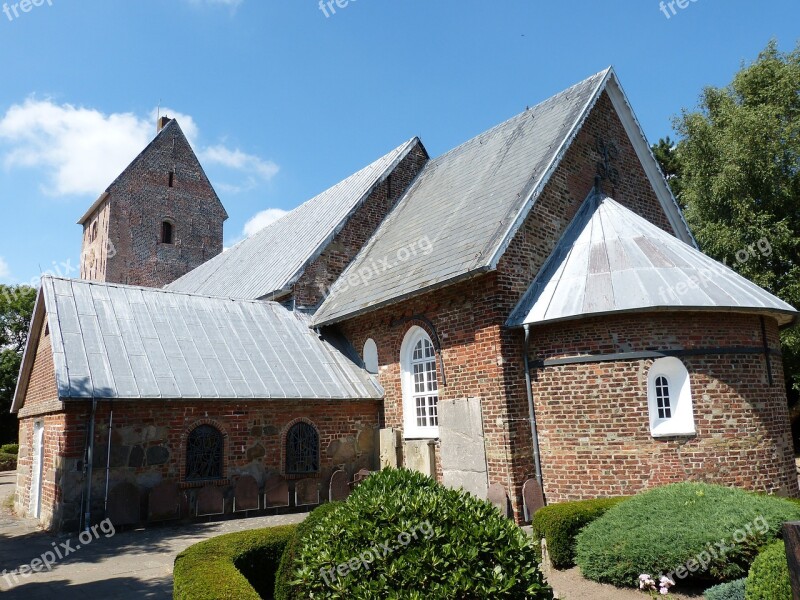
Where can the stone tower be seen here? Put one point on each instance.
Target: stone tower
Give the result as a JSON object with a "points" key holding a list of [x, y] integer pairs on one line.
{"points": [[158, 220]]}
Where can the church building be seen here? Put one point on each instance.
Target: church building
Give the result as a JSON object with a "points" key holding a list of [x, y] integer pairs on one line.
{"points": [[526, 316]]}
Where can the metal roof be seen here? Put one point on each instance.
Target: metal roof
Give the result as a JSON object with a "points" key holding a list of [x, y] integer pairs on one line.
{"points": [[268, 263], [612, 260], [116, 341], [465, 203]]}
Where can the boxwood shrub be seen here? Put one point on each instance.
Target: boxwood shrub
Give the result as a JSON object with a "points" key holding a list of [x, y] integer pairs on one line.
{"points": [[286, 568], [8, 462], [769, 575], [9, 449], [236, 566], [733, 590], [402, 535], [675, 529], [559, 524]]}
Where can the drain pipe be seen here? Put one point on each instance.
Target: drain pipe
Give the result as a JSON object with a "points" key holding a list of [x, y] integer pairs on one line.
{"points": [[537, 460], [87, 515], [108, 457]]}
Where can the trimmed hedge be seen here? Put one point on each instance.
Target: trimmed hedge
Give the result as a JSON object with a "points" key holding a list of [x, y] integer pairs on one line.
{"points": [[733, 590], [402, 535], [286, 568], [559, 524], [674, 530], [8, 462], [236, 566], [769, 575], [9, 449]]}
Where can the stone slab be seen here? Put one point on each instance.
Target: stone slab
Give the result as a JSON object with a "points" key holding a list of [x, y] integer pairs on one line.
{"points": [[339, 488], [210, 501], [390, 445], [245, 494], [462, 448], [532, 498], [306, 492], [124, 504], [419, 455], [499, 498], [164, 502], [276, 491]]}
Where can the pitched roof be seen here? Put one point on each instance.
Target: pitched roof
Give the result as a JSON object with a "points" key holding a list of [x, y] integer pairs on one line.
{"points": [[269, 262], [611, 260], [116, 341], [164, 139], [470, 202]]}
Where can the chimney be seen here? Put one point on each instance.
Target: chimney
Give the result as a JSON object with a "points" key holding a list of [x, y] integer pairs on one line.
{"points": [[161, 123]]}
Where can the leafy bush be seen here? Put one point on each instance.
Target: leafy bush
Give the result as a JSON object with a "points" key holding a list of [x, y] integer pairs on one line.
{"points": [[675, 530], [402, 535], [560, 523], [9, 449], [236, 566], [285, 575], [769, 575], [733, 590], [8, 462]]}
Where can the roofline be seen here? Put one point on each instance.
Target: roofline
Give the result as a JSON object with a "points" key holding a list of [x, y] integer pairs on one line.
{"points": [[100, 199], [31, 347]]}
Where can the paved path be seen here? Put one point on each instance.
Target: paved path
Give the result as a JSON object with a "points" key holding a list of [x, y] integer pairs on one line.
{"points": [[129, 564]]}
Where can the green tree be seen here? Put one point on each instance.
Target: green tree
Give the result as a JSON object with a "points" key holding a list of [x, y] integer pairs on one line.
{"points": [[736, 171], [16, 311]]}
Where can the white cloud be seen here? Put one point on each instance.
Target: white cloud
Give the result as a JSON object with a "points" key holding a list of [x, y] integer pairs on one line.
{"points": [[261, 220], [5, 270], [82, 150]]}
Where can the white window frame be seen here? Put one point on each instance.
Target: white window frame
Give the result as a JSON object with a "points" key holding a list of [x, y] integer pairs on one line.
{"points": [[411, 430], [681, 419]]}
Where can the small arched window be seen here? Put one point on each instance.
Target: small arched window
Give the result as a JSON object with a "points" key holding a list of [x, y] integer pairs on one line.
{"points": [[371, 356], [302, 449], [420, 385], [669, 396], [167, 233], [204, 454]]}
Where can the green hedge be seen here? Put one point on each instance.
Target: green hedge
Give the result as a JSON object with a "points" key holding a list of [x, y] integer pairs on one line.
{"points": [[8, 462], [769, 575], [559, 524], [402, 535], [286, 569], [236, 566], [674, 530], [9, 449], [733, 590]]}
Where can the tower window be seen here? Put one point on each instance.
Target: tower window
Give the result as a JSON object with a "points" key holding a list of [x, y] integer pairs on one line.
{"points": [[167, 233], [171, 178]]}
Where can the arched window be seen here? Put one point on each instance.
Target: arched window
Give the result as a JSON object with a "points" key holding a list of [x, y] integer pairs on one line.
{"points": [[420, 385], [204, 454], [371, 356], [669, 396], [302, 449], [167, 233]]}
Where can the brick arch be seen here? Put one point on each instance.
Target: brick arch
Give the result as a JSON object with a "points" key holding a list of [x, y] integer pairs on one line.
{"points": [[226, 441], [285, 433]]}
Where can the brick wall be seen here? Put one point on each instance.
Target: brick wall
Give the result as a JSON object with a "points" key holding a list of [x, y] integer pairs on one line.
{"points": [[311, 289]]}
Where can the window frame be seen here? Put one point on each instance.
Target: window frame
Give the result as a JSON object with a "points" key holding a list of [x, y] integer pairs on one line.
{"points": [[188, 478], [164, 224], [411, 429], [680, 421], [287, 454]]}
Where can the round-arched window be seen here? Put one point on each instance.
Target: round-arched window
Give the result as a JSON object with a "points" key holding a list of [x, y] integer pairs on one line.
{"points": [[205, 454]]}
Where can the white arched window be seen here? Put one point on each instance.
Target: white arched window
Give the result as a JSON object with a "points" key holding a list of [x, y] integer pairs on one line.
{"points": [[420, 385], [371, 356], [669, 396]]}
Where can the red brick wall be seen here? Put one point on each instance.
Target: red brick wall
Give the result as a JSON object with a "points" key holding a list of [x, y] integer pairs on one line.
{"points": [[312, 287], [593, 418]]}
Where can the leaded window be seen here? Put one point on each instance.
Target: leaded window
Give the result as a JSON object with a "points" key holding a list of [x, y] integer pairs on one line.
{"points": [[204, 454], [662, 398], [426, 387], [302, 449]]}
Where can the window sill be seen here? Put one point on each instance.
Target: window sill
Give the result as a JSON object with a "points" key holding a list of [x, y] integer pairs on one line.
{"points": [[674, 433]]}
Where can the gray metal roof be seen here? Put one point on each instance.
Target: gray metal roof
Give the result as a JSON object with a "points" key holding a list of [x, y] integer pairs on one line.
{"points": [[466, 203], [268, 263], [612, 260], [115, 341]]}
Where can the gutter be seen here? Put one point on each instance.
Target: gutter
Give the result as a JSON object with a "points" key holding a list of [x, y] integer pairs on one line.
{"points": [[537, 459]]}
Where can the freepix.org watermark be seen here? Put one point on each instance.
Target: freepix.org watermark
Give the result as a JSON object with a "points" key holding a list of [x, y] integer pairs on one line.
{"points": [[60, 551], [328, 7], [382, 550], [17, 9], [668, 8]]}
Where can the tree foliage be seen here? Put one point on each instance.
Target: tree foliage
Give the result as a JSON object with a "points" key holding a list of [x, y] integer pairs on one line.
{"points": [[736, 172], [16, 311]]}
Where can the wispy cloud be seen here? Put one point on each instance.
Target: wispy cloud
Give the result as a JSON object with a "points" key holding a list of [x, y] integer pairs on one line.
{"points": [[261, 220], [81, 150]]}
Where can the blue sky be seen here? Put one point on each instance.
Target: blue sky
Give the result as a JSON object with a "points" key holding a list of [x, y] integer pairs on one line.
{"points": [[282, 101]]}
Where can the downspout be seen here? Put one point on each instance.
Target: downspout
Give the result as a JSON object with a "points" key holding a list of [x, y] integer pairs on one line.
{"points": [[108, 458], [87, 515], [537, 460]]}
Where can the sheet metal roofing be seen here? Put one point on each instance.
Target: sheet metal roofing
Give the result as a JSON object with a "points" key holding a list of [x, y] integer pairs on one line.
{"points": [[465, 203], [267, 263], [115, 341], [612, 260]]}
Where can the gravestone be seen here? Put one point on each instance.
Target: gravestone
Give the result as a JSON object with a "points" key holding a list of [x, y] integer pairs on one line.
{"points": [[532, 498], [419, 455], [276, 491], [245, 494], [210, 501], [164, 502], [306, 492], [462, 449], [339, 487], [497, 496], [124, 504], [390, 448]]}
